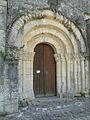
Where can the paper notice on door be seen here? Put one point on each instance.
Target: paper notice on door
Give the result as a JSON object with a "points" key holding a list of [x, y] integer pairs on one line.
{"points": [[38, 71]]}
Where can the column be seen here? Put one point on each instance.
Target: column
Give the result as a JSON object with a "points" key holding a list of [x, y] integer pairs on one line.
{"points": [[63, 74], [87, 75], [76, 73], [20, 78], [82, 74], [72, 74], [68, 72], [31, 75], [58, 74], [79, 74], [23, 79]]}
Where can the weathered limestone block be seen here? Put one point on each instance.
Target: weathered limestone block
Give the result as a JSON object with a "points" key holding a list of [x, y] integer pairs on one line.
{"points": [[2, 40], [3, 8], [1, 97], [10, 89], [3, 3], [3, 12], [12, 106]]}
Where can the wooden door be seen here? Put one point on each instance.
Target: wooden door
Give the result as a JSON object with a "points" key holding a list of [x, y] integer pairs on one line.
{"points": [[44, 71]]}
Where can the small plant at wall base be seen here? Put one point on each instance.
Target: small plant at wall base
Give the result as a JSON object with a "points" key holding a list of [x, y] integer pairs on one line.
{"points": [[82, 94], [2, 55], [3, 114], [8, 56]]}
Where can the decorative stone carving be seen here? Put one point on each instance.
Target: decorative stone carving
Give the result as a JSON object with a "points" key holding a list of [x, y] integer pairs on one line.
{"points": [[44, 14], [57, 57], [27, 56]]}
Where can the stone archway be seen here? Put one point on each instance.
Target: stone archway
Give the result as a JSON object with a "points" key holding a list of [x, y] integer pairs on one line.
{"points": [[68, 44], [27, 59]]}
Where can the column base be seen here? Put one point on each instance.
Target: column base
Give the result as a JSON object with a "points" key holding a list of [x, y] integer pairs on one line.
{"points": [[28, 95], [11, 108]]}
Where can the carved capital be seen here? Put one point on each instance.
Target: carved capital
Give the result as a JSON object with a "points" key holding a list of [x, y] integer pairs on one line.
{"points": [[76, 57], [82, 57], [69, 57], [27, 56], [57, 57], [63, 57]]}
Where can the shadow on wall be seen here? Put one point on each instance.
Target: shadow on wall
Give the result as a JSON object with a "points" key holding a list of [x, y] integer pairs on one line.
{"points": [[53, 4]]}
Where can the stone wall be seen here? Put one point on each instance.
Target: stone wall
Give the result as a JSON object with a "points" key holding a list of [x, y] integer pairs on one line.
{"points": [[75, 10], [18, 7], [72, 9], [3, 14], [8, 96]]}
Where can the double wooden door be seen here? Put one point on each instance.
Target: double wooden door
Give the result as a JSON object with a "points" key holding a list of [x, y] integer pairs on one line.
{"points": [[44, 71]]}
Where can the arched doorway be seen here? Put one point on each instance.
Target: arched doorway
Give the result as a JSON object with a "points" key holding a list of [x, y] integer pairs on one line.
{"points": [[44, 71], [69, 47]]}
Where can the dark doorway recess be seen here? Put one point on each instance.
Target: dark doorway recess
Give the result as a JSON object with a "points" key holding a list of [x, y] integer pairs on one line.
{"points": [[44, 71]]}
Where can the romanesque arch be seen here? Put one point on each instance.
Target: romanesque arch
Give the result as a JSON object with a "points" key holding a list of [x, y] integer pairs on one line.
{"points": [[67, 42]]}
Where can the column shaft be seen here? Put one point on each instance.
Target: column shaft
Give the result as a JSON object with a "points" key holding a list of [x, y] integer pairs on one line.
{"points": [[58, 73], [20, 78], [63, 75], [68, 75], [79, 76], [83, 75], [75, 76], [87, 75]]}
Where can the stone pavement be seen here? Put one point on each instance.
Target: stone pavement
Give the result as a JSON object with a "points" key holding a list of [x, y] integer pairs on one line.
{"points": [[53, 109]]}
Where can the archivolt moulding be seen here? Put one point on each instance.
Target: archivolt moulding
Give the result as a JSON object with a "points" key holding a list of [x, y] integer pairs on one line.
{"points": [[47, 14]]}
